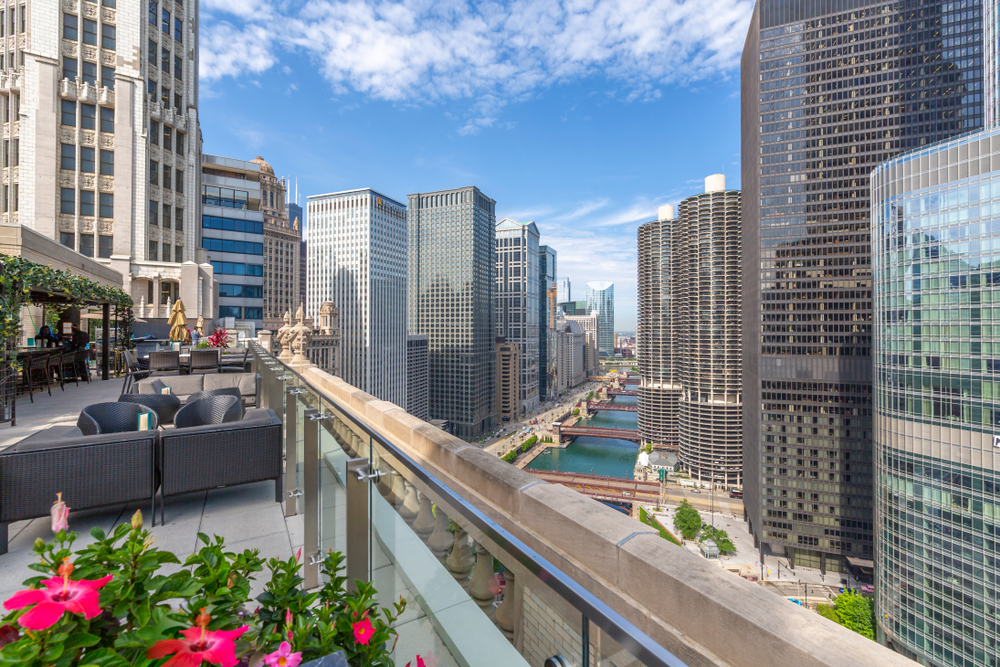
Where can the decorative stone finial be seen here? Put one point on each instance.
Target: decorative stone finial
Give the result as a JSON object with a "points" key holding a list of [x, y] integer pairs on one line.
{"points": [[303, 336]]}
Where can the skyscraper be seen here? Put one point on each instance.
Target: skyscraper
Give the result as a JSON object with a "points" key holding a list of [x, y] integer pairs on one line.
{"points": [[546, 279], [517, 301], [102, 148], [452, 264], [659, 388], [601, 297], [416, 376], [828, 92], [282, 238], [563, 292], [357, 259], [295, 212]]}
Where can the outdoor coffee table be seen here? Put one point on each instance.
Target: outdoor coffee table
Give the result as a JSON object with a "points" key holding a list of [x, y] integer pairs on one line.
{"points": [[164, 405]]}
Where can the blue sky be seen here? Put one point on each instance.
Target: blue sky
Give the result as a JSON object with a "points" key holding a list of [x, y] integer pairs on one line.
{"points": [[583, 116]]}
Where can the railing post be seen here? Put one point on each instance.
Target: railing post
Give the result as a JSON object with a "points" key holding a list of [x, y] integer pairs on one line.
{"points": [[358, 521], [311, 556], [292, 491]]}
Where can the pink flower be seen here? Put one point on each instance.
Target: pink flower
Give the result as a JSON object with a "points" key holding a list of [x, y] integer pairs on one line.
{"points": [[363, 631], [217, 647], [298, 554], [283, 657], [60, 515], [61, 594], [496, 584], [428, 661]]}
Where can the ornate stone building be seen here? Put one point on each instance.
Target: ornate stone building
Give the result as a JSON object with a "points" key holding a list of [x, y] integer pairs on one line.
{"points": [[282, 240]]}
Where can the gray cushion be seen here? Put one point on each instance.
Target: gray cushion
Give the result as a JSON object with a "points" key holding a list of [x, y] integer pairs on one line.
{"points": [[181, 385], [63, 436], [246, 382], [253, 417]]}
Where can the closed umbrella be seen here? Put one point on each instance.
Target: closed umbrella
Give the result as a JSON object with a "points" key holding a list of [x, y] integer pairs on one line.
{"points": [[178, 322]]}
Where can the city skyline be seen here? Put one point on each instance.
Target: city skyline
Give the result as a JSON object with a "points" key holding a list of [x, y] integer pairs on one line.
{"points": [[576, 127]]}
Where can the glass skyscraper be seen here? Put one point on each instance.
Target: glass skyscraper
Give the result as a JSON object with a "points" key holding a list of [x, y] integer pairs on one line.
{"points": [[830, 88], [936, 252], [517, 302], [601, 297], [546, 279]]}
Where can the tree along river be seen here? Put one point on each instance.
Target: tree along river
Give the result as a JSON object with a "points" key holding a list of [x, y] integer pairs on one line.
{"points": [[597, 456]]}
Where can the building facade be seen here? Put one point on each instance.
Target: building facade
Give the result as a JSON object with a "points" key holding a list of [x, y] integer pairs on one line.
{"points": [[517, 301], [282, 240], [324, 347], [819, 112], [100, 114], [601, 298], [591, 326], [232, 237], [357, 259], [659, 388], [563, 291], [417, 377], [546, 282], [571, 343], [296, 214], [508, 379], [936, 252], [452, 260]]}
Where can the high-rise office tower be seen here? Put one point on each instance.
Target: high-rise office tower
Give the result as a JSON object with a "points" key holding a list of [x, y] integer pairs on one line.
{"points": [[517, 301], [508, 378], [357, 259], [659, 388], [590, 325], [417, 376], [546, 281], [452, 264], [828, 92], [282, 236], [936, 255], [563, 292], [295, 213], [101, 147], [601, 297]]}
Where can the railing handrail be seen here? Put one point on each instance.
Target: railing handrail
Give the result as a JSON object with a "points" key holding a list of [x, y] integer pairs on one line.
{"points": [[592, 608]]}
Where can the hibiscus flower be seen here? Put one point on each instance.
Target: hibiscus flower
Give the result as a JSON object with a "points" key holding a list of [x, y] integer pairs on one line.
{"points": [[363, 631], [61, 594], [217, 647]]}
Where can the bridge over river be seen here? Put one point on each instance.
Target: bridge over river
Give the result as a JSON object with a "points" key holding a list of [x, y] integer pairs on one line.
{"points": [[612, 489], [594, 406], [622, 392], [599, 432]]}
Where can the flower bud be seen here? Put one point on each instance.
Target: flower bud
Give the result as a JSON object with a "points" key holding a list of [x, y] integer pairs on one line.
{"points": [[137, 520]]}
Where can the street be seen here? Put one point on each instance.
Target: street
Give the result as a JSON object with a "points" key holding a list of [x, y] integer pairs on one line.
{"points": [[545, 414]]}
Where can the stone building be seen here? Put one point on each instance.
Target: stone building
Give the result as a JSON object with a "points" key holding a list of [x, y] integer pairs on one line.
{"points": [[591, 330], [417, 376], [324, 348], [508, 380], [282, 239]]}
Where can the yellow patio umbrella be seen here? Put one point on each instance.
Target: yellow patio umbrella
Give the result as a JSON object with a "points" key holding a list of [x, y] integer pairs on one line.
{"points": [[178, 322]]}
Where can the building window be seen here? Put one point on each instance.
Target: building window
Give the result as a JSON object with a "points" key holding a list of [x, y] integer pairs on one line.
{"points": [[90, 32], [87, 203], [154, 211], [107, 205], [68, 158], [87, 159], [68, 113], [168, 139], [15, 150], [178, 254], [15, 197], [107, 120], [151, 88], [88, 116], [108, 39], [166, 22], [178, 102], [152, 12], [253, 313], [165, 97], [166, 176], [108, 3], [90, 73], [178, 35], [166, 252], [154, 133], [153, 248], [178, 70], [67, 201], [87, 245], [70, 69], [70, 27], [166, 216], [165, 60], [108, 77], [68, 239], [154, 172], [107, 163], [231, 311], [179, 181], [180, 143], [151, 53], [106, 244]]}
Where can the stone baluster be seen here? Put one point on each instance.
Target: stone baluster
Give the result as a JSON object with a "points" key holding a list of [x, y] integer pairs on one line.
{"points": [[440, 538], [423, 525], [398, 491], [483, 585], [460, 560], [410, 506], [506, 614]]}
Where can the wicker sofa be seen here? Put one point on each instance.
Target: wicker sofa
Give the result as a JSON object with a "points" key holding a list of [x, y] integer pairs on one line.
{"points": [[116, 468], [184, 386]]}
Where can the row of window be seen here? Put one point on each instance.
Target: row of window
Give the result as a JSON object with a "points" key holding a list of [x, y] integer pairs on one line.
{"points": [[104, 248], [238, 269], [15, 25], [230, 225], [155, 256], [165, 24], [68, 205], [225, 197], [165, 60], [229, 245], [71, 31], [154, 218], [88, 116], [165, 96], [241, 291], [67, 160], [154, 176], [71, 71], [168, 137], [241, 313]]}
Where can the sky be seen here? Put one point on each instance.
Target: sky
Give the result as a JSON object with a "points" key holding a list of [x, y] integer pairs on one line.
{"points": [[583, 115]]}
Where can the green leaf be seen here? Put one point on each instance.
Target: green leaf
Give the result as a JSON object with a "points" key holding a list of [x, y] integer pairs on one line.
{"points": [[104, 657], [97, 533], [81, 640]]}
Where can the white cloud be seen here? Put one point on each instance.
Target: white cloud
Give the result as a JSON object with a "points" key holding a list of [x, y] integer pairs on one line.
{"points": [[427, 50]]}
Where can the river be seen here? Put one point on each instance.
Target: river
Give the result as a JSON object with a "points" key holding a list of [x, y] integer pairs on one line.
{"points": [[597, 456]]}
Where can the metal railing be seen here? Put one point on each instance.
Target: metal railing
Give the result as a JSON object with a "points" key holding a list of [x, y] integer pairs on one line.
{"points": [[361, 494]]}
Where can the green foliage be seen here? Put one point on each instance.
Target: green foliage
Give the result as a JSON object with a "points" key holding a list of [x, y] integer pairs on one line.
{"points": [[576, 411], [529, 443], [649, 448], [141, 606], [720, 537], [687, 520], [653, 523], [510, 456], [853, 611]]}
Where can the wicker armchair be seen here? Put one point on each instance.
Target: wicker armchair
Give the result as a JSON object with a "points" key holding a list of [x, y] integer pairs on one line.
{"points": [[222, 391], [234, 364], [113, 418], [164, 405], [165, 361], [210, 410], [205, 360]]}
